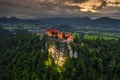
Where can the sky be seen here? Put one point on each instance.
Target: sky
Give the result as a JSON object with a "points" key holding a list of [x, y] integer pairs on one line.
{"points": [[60, 8]]}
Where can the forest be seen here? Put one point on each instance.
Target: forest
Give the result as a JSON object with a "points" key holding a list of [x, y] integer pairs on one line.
{"points": [[23, 56]]}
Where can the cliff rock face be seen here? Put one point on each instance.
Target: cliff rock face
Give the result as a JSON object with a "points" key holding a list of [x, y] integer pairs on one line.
{"points": [[58, 57], [60, 54]]}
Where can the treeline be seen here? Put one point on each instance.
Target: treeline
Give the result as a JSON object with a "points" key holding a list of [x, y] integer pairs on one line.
{"points": [[23, 56], [97, 60]]}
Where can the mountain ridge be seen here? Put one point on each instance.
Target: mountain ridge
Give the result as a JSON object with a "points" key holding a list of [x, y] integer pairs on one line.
{"points": [[100, 22], [86, 18]]}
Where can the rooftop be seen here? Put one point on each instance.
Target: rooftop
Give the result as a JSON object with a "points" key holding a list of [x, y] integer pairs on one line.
{"points": [[65, 37]]}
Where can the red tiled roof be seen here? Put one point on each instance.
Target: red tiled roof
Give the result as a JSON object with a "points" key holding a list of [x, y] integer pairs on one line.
{"points": [[53, 30], [59, 33]]}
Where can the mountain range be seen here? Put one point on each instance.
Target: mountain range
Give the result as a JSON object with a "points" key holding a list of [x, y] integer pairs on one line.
{"points": [[100, 22]]}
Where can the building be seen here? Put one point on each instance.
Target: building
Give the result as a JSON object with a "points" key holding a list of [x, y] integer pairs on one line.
{"points": [[54, 33]]}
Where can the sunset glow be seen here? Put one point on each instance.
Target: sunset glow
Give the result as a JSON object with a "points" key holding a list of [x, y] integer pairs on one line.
{"points": [[93, 5]]}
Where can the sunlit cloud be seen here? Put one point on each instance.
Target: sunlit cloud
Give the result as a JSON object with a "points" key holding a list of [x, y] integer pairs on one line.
{"points": [[93, 5]]}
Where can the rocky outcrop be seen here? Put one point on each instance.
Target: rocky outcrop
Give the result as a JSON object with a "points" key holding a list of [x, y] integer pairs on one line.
{"points": [[58, 57]]}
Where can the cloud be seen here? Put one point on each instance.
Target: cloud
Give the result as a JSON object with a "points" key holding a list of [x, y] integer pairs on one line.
{"points": [[93, 5], [52, 8], [79, 1]]}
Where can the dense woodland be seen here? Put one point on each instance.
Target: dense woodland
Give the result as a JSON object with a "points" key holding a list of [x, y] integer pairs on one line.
{"points": [[23, 56]]}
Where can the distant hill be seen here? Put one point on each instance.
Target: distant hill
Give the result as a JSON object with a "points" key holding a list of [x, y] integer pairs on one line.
{"points": [[100, 22], [67, 21], [107, 21], [17, 20]]}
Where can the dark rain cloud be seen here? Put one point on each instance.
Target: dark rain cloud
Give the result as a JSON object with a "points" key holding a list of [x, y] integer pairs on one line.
{"points": [[80, 1]]}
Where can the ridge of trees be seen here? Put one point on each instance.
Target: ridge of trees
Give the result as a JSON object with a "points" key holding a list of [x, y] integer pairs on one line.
{"points": [[23, 56]]}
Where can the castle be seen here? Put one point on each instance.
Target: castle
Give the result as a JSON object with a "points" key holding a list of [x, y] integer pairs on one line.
{"points": [[56, 34], [58, 45]]}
